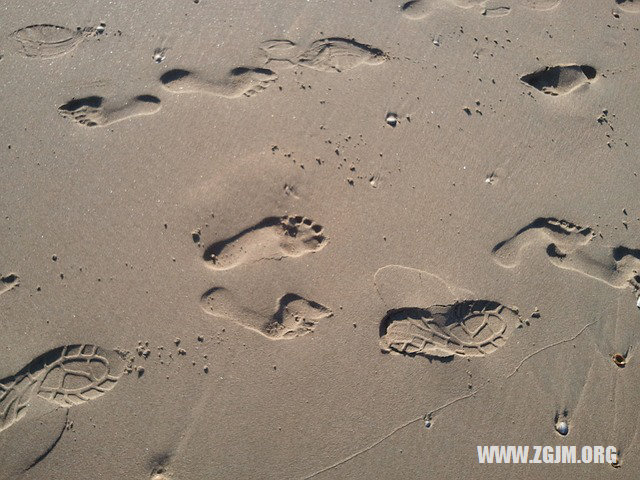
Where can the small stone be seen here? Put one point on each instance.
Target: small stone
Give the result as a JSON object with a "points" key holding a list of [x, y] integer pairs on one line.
{"points": [[392, 119]]}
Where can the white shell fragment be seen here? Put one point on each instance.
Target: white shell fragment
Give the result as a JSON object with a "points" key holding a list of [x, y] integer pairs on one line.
{"points": [[562, 427]]}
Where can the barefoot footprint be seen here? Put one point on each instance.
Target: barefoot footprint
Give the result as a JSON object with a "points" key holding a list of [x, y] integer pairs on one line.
{"points": [[294, 316], [8, 282], [46, 41], [558, 235], [419, 9], [560, 80], [240, 81], [620, 270], [65, 376], [325, 55], [272, 238], [89, 111], [631, 6]]}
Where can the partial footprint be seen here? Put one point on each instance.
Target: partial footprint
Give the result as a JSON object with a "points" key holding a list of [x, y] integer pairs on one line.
{"points": [[540, 4], [560, 80], [399, 286], [496, 11], [419, 9], [294, 316], [49, 41], [550, 233], [8, 282], [238, 82], [65, 376], [631, 6], [89, 111], [272, 238], [467, 3], [621, 270], [467, 328], [326, 55]]}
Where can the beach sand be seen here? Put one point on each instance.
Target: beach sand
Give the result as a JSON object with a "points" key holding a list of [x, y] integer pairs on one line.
{"points": [[321, 239]]}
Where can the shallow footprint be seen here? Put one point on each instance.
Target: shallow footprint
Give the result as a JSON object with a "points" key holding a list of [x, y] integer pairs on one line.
{"points": [[418, 9], [294, 316], [551, 233], [49, 41], [65, 376], [620, 270], [466, 328], [239, 81], [272, 238], [90, 112], [334, 54], [560, 80], [631, 6], [540, 4], [467, 3], [8, 282]]}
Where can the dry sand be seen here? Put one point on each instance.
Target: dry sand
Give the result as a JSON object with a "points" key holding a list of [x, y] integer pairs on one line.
{"points": [[275, 239]]}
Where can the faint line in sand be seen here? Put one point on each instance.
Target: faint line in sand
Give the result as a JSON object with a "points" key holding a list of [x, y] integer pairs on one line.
{"points": [[549, 346], [393, 432], [423, 417]]}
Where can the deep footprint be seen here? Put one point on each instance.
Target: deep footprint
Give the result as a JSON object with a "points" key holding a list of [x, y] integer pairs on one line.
{"points": [[294, 316], [560, 80], [238, 82], [466, 328], [90, 112], [565, 237], [272, 238], [65, 376]]}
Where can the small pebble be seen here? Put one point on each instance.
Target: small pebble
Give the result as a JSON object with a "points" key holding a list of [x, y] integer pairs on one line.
{"points": [[392, 119]]}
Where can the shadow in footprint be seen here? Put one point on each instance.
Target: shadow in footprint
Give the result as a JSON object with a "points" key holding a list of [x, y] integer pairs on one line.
{"points": [[271, 238], [173, 75], [560, 80], [244, 70], [75, 104], [90, 112], [466, 328], [294, 315]]}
